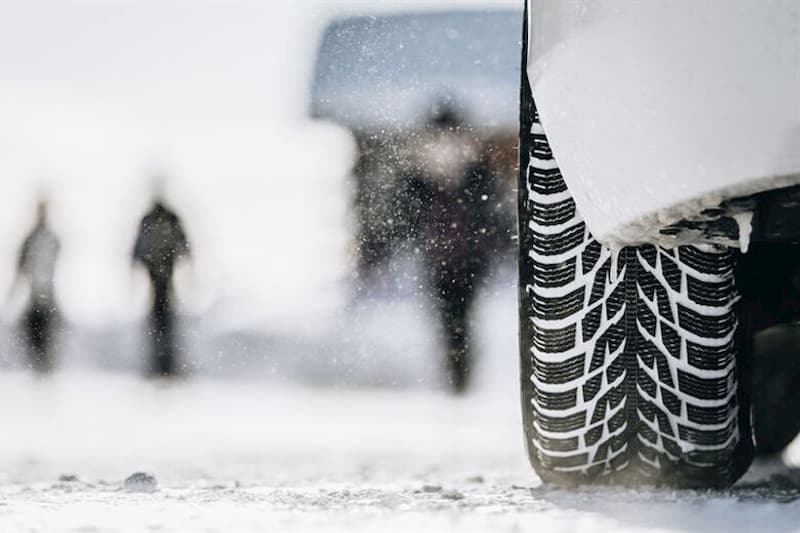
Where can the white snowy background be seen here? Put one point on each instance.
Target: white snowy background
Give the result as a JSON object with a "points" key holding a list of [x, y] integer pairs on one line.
{"points": [[304, 413]]}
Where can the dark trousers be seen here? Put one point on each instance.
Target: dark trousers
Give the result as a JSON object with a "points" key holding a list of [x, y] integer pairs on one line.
{"points": [[38, 334], [455, 296], [162, 330]]}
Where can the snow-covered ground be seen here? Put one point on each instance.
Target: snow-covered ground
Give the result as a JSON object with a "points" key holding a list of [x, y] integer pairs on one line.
{"points": [[245, 456], [243, 451]]}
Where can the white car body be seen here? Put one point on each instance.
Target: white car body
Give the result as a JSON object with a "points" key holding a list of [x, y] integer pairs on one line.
{"points": [[658, 109]]}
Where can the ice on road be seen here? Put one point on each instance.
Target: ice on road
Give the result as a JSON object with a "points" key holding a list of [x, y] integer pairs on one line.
{"points": [[252, 456]]}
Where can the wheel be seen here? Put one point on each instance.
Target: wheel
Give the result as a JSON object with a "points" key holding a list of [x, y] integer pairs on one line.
{"points": [[634, 365], [771, 304], [776, 390]]}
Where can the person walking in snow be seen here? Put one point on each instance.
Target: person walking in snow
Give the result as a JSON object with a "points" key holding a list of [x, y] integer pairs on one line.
{"points": [[37, 261], [160, 244], [451, 185]]}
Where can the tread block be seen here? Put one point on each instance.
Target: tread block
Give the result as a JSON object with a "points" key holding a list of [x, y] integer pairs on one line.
{"points": [[713, 327], [671, 401], [562, 424], [709, 415], [554, 275], [547, 181], [671, 339], [600, 409], [617, 421], [710, 357], [565, 462], [591, 323], [648, 434], [648, 385], [707, 437], [664, 425], [562, 372], [593, 435], [672, 447], [600, 283], [554, 341], [648, 320], [552, 214], [707, 262], [647, 355], [561, 445], [557, 400], [559, 308], [590, 256], [615, 301], [664, 373], [710, 293], [559, 244], [704, 388], [649, 254], [592, 387], [672, 273]]}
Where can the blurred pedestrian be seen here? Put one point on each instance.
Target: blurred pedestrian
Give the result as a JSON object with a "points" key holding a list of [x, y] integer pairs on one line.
{"points": [[37, 262], [160, 244], [452, 187]]}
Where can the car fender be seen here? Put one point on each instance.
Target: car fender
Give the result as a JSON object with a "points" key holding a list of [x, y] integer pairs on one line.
{"points": [[657, 110]]}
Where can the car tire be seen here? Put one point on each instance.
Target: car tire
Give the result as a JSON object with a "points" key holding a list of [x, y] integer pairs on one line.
{"points": [[634, 364]]}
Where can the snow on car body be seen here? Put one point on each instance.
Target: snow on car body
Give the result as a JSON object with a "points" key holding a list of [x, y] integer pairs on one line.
{"points": [[701, 98]]}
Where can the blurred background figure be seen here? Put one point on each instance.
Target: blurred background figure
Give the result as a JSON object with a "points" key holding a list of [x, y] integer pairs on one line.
{"points": [[449, 189], [160, 244], [427, 98], [36, 264]]}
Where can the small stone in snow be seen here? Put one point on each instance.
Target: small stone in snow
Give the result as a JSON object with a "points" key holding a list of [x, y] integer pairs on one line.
{"points": [[475, 479], [141, 482], [431, 488], [452, 495], [68, 478]]}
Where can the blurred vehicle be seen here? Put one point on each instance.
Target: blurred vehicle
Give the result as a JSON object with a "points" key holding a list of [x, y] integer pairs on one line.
{"points": [[659, 232], [383, 76]]}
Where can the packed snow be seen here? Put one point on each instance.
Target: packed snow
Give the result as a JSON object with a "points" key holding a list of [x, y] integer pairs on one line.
{"points": [[230, 456]]}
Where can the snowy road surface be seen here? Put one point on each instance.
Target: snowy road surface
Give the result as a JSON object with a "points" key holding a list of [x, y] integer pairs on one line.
{"points": [[250, 456]]}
